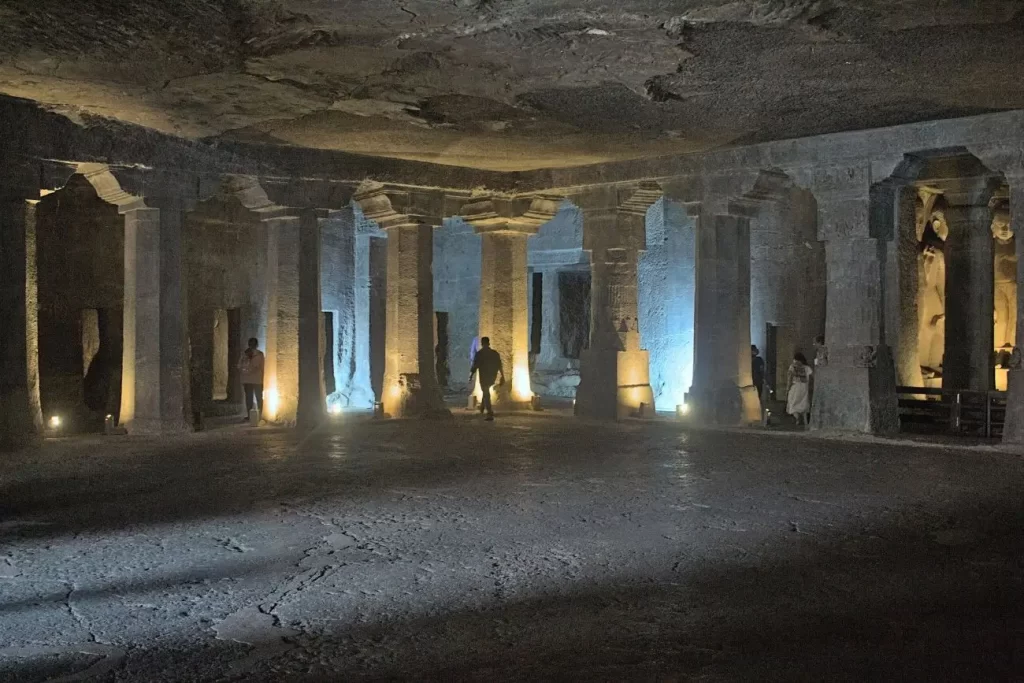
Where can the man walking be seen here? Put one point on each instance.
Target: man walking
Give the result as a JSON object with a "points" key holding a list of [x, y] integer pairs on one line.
{"points": [[487, 365], [250, 366]]}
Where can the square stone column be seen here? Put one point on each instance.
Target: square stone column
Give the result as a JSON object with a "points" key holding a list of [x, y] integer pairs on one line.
{"points": [[970, 290], [551, 322], [293, 377], [21, 421], [155, 375], [1013, 430], [410, 383], [367, 236], [505, 224], [615, 370], [504, 309], [856, 389], [723, 387]]}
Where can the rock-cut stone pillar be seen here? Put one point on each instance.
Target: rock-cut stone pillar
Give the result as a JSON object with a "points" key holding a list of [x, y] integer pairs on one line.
{"points": [[504, 225], [856, 389], [1013, 430], [615, 369], [408, 218], [21, 421], [723, 387], [155, 386], [970, 293]]}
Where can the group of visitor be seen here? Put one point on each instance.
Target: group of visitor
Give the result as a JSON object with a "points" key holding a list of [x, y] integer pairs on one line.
{"points": [[798, 381]]}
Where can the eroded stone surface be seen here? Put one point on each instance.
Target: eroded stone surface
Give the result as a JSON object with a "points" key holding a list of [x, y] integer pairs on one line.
{"points": [[514, 84], [534, 548]]}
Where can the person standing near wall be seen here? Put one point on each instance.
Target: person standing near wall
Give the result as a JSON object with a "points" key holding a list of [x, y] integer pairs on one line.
{"points": [[250, 366], [487, 366], [757, 368], [798, 398]]}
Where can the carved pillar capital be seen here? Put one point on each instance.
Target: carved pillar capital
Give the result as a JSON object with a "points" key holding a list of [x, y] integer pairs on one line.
{"points": [[400, 207], [522, 214]]}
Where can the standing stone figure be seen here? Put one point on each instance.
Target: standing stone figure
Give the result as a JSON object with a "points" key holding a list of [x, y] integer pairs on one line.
{"points": [[757, 368], [487, 366], [798, 398], [1005, 281]]}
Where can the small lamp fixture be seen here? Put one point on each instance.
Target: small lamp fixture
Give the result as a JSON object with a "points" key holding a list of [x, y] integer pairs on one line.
{"points": [[55, 422], [682, 410]]}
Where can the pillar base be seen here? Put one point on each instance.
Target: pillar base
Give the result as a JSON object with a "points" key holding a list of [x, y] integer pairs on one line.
{"points": [[407, 398], [146, 427], [613, 384], [727, 406], [857, 393], [1013, 429]]}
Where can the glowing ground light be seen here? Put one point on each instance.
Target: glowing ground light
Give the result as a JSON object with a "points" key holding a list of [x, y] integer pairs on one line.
{"points": [[682, 410], [55, 422], [334, 409], [272, 401]]}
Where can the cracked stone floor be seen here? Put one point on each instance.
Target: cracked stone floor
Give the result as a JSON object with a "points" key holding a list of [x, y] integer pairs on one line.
{"points": [[534, 548]]}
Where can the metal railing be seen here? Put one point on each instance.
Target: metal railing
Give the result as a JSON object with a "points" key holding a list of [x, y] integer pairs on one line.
{"points": [[965, 413]]}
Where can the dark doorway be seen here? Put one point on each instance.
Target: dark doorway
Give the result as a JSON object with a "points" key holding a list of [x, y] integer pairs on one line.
{"points": [[102, 381], [574, 312], [441, 349], [327, 329], [536, 313]]}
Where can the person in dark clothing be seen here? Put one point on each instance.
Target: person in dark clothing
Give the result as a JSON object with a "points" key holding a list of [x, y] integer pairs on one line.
{"points": [[487, 366], [757, 368]]}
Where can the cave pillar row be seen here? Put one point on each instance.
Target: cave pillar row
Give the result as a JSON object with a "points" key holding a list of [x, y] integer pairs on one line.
{"points": [[970, 290], [855, 390], [21, 421], [615, 369], [723, 389], [409, 219], [504, 225], [155, 384], [293, 386], [1013, 430]]}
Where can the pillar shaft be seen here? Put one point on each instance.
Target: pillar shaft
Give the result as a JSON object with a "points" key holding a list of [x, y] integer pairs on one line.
{"points": [[856, 390], [551, 322], [360, 381], [723, 390], [20, 417], [312, 398], [155, 379], [1013, 431], [410, 385], [967, 362], [614, 370], [504, 309]]}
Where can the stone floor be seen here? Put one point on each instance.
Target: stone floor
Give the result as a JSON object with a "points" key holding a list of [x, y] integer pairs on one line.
{"points": [[537, 547]]}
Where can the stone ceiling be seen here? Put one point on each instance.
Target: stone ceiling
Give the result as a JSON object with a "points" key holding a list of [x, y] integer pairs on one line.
{"points": [[514, 84]]}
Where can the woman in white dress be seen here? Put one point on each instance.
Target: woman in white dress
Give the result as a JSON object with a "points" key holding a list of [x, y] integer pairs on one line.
{"points": [[798, 402]]}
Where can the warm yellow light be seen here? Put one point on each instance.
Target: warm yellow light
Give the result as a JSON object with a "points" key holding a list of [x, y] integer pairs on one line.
{"points": [[521, 390], [55, 422], [334, 409], [272, 402], [682, 409]]}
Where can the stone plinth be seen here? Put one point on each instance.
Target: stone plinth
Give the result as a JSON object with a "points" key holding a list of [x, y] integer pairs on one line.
{"points": [[410, 385]]}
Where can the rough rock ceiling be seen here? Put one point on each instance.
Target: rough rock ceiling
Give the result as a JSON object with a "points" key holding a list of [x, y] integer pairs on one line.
{"points": [[514, 84]]}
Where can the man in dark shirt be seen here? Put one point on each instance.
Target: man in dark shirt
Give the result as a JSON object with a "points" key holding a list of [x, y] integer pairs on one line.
{"points": [[487, 365], [757, 369]]}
